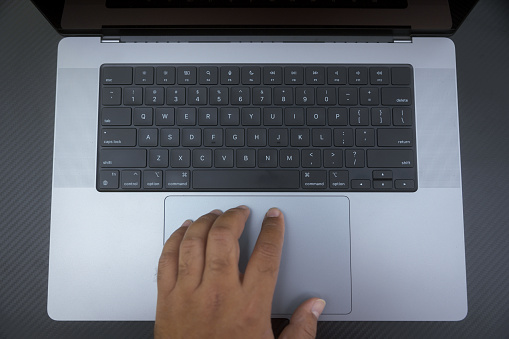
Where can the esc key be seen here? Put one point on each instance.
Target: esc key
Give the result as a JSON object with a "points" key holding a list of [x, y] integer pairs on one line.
{"points": [[117, 75]]}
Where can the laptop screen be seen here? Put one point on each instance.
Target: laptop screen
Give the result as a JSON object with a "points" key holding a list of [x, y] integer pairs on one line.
{"points": [[256, 17]]}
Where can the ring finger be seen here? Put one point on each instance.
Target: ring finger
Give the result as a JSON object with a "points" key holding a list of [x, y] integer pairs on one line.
{"points": [[192, 250]]}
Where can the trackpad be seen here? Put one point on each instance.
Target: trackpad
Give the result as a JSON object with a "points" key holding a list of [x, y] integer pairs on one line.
{"points": [[316, 251]]}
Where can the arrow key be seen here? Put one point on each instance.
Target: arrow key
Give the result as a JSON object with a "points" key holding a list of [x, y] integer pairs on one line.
{"points": [[380, 175], [361, 184], [404, 184]]}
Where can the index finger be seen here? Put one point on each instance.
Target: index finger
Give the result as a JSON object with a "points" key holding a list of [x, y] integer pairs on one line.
{"points": [[263, 266]]}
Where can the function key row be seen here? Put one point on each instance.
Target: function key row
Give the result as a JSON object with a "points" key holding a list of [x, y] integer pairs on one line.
{"points": [[255, 75]]}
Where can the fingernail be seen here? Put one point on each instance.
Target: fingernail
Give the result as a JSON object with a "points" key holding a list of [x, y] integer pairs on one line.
{"points": [[186, 223], [318, 307], [216, 212], [244, 207], [273, 213]]}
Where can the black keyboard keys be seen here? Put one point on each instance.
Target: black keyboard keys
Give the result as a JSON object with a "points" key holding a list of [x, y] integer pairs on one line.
{"points": [[256, 127]]}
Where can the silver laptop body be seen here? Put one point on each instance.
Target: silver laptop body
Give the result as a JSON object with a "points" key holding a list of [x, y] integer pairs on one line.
{"points": [[373, 256]]}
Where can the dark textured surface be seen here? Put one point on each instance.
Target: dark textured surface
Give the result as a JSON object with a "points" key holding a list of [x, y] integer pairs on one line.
{"points": [[28, 47]]}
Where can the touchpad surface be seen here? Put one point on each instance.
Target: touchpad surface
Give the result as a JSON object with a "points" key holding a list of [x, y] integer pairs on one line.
{"points": [[316, 252]]}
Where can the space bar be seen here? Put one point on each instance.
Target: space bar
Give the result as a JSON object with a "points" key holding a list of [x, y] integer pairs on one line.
{"points": [[245, 179]]}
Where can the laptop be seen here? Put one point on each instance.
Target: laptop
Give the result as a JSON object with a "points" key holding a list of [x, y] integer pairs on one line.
{"points": [[343, 114]]}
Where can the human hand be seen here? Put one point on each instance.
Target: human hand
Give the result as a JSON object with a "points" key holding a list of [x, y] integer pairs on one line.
{"points": [[202, 294]]}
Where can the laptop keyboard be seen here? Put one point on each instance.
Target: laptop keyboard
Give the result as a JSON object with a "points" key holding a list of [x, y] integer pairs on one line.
{"points": [[338, 127]]}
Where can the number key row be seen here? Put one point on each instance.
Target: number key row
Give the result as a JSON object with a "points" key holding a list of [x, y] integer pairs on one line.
{"points": [[179, 96]]}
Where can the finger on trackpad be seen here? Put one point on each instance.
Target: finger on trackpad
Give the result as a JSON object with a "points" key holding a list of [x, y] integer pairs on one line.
{"points": [[316, 254]]}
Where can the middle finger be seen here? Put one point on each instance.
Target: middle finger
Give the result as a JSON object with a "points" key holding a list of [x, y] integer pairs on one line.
{"points": [[222, 256]]}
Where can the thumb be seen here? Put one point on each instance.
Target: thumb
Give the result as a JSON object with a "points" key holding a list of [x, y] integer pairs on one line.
{"points": [[304, 320]]}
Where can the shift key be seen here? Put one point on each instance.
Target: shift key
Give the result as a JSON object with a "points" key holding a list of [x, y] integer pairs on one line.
{"points": [[386, 158], [119, 158]]}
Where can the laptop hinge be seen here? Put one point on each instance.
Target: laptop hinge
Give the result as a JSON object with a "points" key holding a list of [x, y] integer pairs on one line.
{"points": [[402, 39], [267, 39], [180, 39], [109, 39]]}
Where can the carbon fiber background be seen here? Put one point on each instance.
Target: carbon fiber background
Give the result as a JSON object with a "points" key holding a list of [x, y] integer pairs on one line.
{"points": [[28, 47]]}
